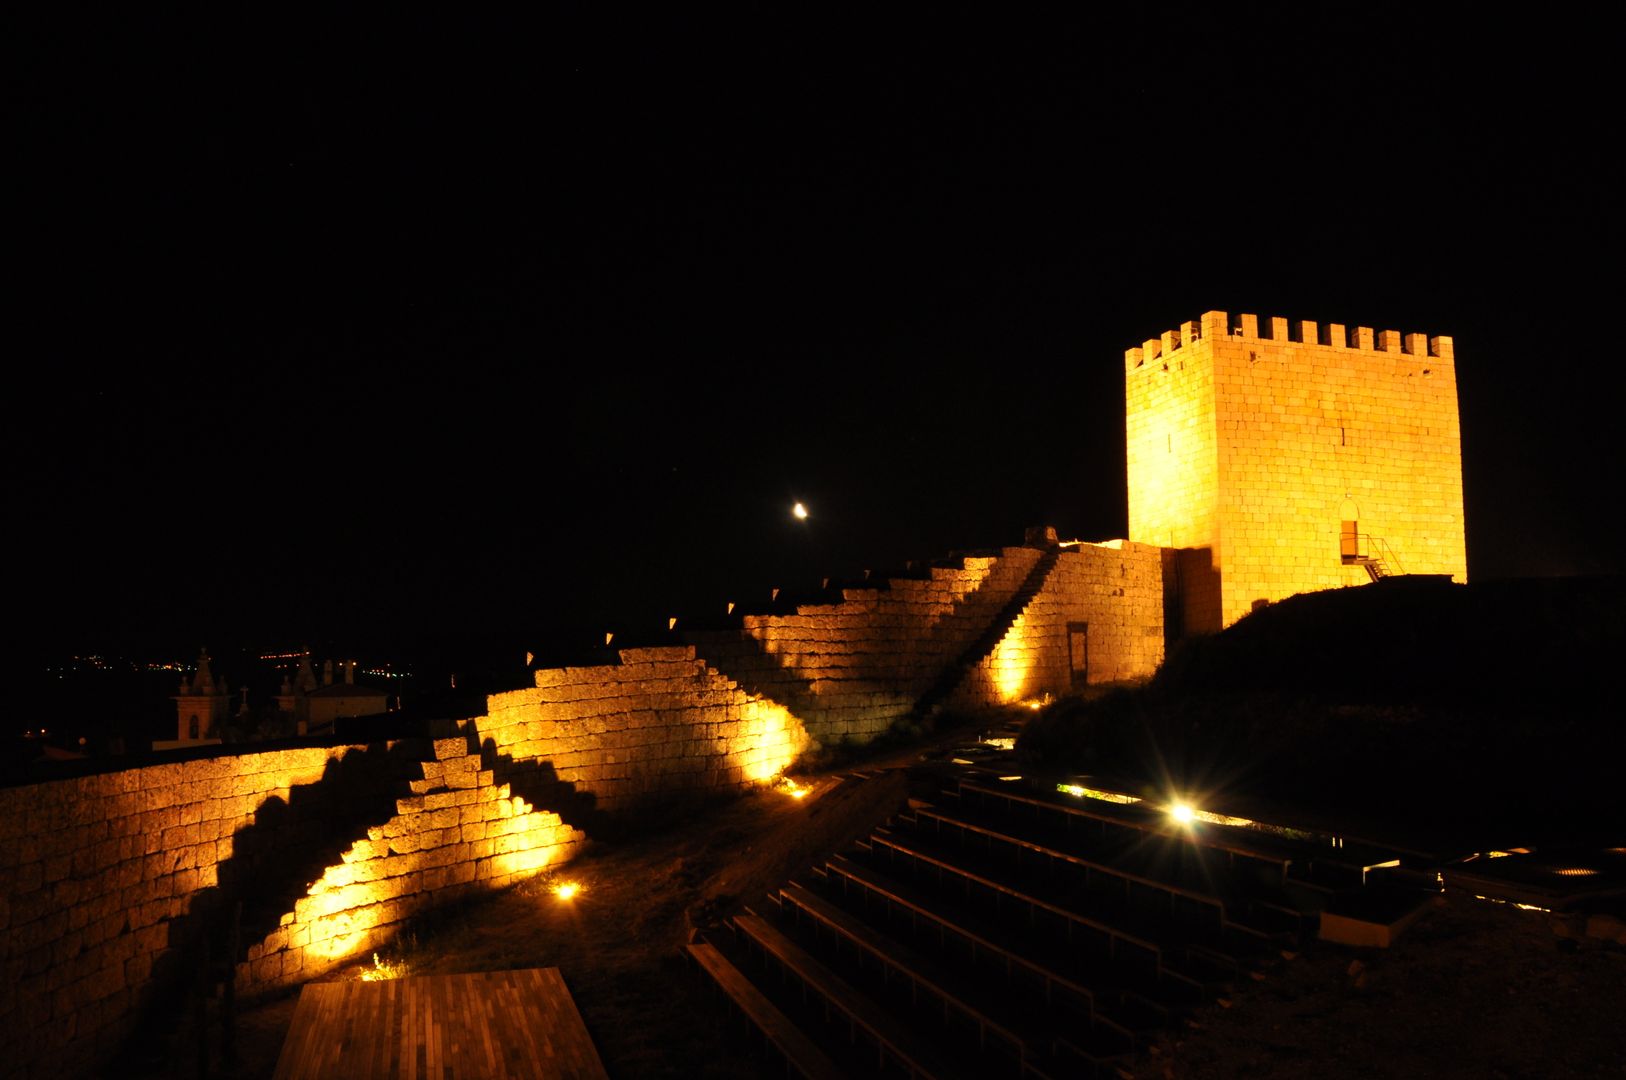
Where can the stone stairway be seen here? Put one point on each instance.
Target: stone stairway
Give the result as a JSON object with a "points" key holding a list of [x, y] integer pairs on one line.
{"points": [[995, 930], [987, 641]]}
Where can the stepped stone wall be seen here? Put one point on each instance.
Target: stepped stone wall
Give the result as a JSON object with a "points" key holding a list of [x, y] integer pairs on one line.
{"points": [[660, 724], [1250, 445], [109, 882], [849, 669], [1097, 618], [1248, 450]]}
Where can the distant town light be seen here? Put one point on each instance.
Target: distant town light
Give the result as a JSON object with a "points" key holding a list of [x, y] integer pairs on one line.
{"points": [[799, 512]]}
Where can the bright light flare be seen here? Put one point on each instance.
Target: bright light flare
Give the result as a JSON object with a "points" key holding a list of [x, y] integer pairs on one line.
{"points": [[792, 788], [567, 890], [799, 512], [1185, 815]]}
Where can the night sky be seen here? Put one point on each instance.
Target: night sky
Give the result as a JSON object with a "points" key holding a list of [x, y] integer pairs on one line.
{"points": [[379, 326]]}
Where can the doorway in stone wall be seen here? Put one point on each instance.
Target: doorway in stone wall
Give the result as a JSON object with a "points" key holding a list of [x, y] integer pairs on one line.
{"points": [[1078, 653]]}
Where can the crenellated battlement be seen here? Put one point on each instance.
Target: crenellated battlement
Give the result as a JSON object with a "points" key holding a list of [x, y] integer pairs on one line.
{"points": [[1220, 325], [1258, 446]]}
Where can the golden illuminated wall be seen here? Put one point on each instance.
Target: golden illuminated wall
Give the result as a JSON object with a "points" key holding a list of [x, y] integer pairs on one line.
{"points": [[852, 667], [1249, 444], [658, 725], [98, 873], [1111, 594], [94, 871], [456, 828]]}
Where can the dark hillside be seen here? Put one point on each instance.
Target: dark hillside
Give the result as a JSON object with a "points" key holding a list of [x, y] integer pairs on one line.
{"points": [[1485, 712]]}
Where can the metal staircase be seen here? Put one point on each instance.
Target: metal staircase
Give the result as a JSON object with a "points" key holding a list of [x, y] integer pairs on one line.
{"points": [[1371, 552]]}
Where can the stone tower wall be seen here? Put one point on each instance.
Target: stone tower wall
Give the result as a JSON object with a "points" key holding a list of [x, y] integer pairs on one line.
{"points": [[1311, 423]]}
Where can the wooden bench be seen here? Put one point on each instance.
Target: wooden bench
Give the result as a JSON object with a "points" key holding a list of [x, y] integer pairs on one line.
{"points": [[802, 1057]]}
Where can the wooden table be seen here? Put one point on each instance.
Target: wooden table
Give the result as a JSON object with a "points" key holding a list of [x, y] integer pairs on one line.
{"points": [[440, 1027]]}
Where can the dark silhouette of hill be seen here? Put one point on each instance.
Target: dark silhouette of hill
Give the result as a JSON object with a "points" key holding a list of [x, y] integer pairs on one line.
{"points": [[1472, 713]]}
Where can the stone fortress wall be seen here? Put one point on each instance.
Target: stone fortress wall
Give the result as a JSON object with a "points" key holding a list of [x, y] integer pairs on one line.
{"points": [[1250, 445], [1246, 453], [1097, 619], [850, 667], [110, 884]]}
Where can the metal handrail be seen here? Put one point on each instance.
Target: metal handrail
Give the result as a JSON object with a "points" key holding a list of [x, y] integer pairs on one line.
{"points": [[1370, 549]]}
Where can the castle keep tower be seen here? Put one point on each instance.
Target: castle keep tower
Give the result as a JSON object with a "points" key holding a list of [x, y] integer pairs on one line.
{"points": [[1282, 459]]}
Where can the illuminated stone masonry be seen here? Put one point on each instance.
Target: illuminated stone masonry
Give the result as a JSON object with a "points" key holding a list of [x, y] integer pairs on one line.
{"points": [[851, 667], [109, 883], [1098, 618], [109, 877], [1260, 464], [330, 848], [1283, 458]]}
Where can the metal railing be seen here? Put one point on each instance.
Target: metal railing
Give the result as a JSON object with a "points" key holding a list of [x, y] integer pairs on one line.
{"points": [[1372, 552]]}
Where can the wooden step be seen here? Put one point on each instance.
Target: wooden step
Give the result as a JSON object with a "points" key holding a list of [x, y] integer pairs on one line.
{"points": [[1188, 905], [1065, 993], [1023, 1042], [1191, 930], [1270, 856], [1242, 909], [801, 1055], [1133, 951], [892, 1040]]}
